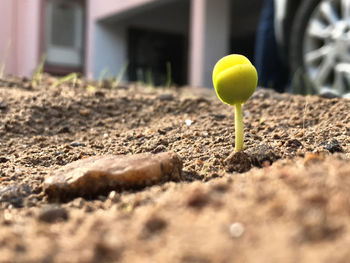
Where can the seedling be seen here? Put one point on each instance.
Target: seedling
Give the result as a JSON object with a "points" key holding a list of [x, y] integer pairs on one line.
{"points": [[235, 80], [70, 77], [168, 75], [121, 74], [38, 73]]}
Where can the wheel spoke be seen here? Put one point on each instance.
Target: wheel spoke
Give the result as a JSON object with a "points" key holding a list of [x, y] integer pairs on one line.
{"points": [[319, 30], [317, 54], [324, 70], [345, 9], [342, 73], [329, 12], [338, 84]]}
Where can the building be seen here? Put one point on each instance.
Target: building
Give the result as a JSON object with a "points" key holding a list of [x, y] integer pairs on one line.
{"points": [[101, 37]]}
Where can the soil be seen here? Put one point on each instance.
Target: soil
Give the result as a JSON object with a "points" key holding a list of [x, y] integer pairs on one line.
{"points": [[285, 198]]}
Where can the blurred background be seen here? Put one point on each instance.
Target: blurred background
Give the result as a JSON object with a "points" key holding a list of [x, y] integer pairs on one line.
{"points": [[298, 45]]}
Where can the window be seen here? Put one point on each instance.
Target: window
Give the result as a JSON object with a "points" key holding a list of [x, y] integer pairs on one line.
{"points": [[64, 33]]}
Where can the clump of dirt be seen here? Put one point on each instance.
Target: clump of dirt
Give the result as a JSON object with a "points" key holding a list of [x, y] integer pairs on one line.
{"points": [[285, 198]]}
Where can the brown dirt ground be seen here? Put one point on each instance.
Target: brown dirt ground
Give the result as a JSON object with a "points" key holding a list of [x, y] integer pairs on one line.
{"points": [[290, 203]]}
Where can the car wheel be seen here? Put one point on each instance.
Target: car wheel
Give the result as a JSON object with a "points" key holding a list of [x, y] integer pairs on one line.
{"points": [[320, 45]]}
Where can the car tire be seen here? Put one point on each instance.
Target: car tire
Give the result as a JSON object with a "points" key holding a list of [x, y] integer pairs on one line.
{"points": [[301, 83]]}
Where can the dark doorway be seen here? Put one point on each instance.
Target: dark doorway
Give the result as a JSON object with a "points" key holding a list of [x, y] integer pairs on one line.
{"points": [[154, 55]]}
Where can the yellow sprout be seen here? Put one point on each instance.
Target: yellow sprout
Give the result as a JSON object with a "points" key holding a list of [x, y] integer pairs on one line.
{"points": [[235, 80]]}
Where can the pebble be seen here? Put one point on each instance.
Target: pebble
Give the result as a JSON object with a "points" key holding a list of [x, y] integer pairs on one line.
{"points": [[64, 129], [4, 159], [332, 146], [236, 229], [166, 97], [53, 213], [299, 134], [84, 112], [205, 134], [329, 95], [78, 144], [100, 93], [3, 105], [114, 196], [159, 148], [219, 116], [188, 122], [294, 143], [98, 175]]}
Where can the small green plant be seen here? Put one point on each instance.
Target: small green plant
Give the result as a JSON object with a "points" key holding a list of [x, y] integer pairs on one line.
{"points": [[38, 73], [149, 78], [121, 74], [168, 75], [103, 74], [235, 80], [70, 77]]}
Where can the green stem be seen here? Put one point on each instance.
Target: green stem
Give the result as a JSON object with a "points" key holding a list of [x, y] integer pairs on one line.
{"points": [[238, 127]]}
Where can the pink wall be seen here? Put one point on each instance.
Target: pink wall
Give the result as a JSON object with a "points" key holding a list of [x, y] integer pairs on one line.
{"points": [[97, 11], [20, 25], [7, 49]]}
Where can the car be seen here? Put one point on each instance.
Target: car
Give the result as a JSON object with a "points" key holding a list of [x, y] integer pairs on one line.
{"points": [[314, 37]]}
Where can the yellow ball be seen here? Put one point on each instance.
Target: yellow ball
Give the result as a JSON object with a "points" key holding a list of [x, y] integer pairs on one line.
{"points": [[234, 79]]}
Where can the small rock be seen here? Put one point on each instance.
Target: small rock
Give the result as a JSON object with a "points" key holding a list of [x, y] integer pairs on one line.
{"points": [[52, 213], [58, 153], [188, 122], [64, 129], [238, 162], [97, 175], [332, 146], [78, 144], [329, 95], [294, 143], [162, 131], [159, 148], [3, 105], [4, 159], [219, 116], [166, 97], [99, 94], [84, 112], [114, 196], [236, 230]]}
